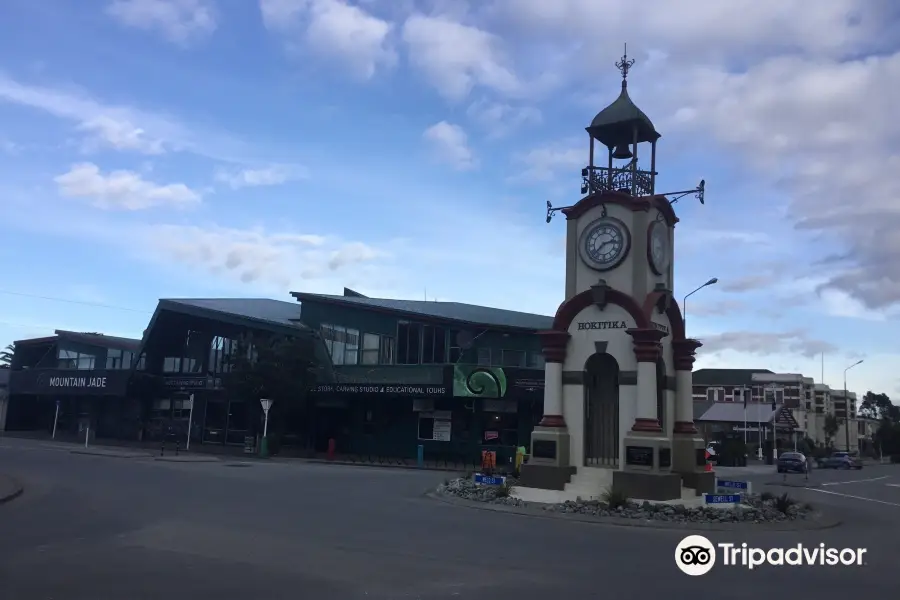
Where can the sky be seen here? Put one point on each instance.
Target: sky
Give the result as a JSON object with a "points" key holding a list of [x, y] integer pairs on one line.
{"points": [[407, 149]]}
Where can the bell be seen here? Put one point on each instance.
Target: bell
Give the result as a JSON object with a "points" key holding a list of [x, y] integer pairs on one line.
{"points": [[622, 152]]}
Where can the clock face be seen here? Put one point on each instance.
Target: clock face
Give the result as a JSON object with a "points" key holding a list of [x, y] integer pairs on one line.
{"points": [[604, 243], [658, 247]]}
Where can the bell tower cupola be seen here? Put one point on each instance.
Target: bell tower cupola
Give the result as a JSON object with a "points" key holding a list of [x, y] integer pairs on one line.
{"points": [[622, 130]]}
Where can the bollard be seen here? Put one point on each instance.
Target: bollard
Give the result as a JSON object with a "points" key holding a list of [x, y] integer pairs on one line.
{"points": [[332, 447], [162, 448], [177, 447], [420, 456]]}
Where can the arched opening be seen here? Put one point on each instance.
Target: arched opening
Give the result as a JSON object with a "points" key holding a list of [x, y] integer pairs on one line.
{"points": [[601, 411], [661, 392]]}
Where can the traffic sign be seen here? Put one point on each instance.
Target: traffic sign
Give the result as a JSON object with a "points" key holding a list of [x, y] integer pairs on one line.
{"points": [[266, 404], [722, 498], [732, 485], [488, 479]]}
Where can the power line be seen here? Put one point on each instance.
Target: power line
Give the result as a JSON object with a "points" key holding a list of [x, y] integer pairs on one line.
{"points": [[79, 302]]}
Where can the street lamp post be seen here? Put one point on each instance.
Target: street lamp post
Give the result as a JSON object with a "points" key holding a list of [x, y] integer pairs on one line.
{"points": [[264, 443], [712, 281], [847, 407]]}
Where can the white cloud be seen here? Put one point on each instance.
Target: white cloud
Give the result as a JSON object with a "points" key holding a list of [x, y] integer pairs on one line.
{"points": [[450, 143], [500, 118], [265, 176], [125, 190], [179, 21], [546, 162], [765, 344], [104, 131], [335, 29], [455, 57]]}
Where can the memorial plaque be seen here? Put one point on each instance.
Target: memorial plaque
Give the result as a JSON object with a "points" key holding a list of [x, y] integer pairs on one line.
{"points": [[700, 453], [639, 456], [665, 458], [545, 449]]}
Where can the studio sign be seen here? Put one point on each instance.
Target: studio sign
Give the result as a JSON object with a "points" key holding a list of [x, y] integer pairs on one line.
{"points": [[602, 325], [401, 390]]}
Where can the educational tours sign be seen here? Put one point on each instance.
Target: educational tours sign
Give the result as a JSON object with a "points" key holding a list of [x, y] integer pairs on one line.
{"points": [[379, 389]]}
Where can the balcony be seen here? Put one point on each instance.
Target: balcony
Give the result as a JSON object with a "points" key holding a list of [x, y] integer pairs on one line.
{"points": [[604, 179]]}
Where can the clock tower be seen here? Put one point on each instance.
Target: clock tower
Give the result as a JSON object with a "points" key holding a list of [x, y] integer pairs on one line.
{"points": [[618, 405]]}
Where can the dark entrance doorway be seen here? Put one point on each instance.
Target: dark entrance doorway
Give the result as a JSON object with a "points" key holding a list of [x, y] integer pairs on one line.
{"points": [[601, 411]]}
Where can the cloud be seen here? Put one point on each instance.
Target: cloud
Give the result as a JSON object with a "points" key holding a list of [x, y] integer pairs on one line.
{"points": [[545, 163], [456, 57], [765, 343], [179, 21], [122, 190], [451, 144], [259, 256], [335, 29], [501, 119], [266, 176], [717, 309], [120, 127]]}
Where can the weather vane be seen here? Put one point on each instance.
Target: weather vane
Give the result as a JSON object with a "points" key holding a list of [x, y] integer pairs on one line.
{"points": [[624, 65]]}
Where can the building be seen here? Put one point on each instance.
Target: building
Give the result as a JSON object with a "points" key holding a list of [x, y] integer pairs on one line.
{"points": [[390, 375], [810, 403], [4, 396]]}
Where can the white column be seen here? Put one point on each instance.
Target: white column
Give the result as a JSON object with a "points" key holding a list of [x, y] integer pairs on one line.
{"points": [[646, 390], [684, 396], [553, 388]]}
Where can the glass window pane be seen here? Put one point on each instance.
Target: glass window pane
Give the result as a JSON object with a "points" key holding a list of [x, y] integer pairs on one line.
{"points": [[387, 350], [371, 341], [484, 357], [351, 349], [85, 362]]}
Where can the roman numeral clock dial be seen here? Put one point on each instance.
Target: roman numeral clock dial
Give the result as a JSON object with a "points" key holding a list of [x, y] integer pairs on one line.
{"points": [[604, 243]]}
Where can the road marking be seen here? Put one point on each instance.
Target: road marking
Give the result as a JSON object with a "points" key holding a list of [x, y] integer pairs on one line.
{"points": [[892, 484], [856, 481], [854, 497]]}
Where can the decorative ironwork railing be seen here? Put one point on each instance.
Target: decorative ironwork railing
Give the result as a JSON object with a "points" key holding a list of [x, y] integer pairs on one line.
{"points": [[602, 179]]}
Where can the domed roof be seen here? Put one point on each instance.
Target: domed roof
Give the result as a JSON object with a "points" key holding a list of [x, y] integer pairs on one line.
{"points": [[616, 123]]}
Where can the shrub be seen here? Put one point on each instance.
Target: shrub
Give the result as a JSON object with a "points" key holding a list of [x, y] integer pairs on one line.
{"points": [[504, 490], [766, 496], [783, 503], [615, 498], [895, 458]]}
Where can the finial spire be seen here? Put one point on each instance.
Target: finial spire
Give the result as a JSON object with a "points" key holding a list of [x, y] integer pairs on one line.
{"points": [[624, 65]]}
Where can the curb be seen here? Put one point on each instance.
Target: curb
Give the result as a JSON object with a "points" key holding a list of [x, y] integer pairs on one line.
{"points": [[110, 454], [528, 511], [347, 463], [198, 459], [17, 489]]}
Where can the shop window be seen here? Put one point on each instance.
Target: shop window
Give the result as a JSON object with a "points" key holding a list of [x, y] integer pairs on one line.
{"points": [[434, 345], [66, 359], [85, 362], [484, 357], [172, 364], [141, 363], [715, 394], [351, 346], [387, 350], [114, 359], [500, 429], [435, 426], [409, 337], [455, 354], [536, 360], [371, 349], [512, 358], [342, 344]]}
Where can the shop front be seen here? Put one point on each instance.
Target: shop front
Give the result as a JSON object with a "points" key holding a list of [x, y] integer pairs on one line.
{"points": [[75, 401]]}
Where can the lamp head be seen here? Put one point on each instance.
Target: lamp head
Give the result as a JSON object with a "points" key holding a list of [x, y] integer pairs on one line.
{"points": [[712, 281]]}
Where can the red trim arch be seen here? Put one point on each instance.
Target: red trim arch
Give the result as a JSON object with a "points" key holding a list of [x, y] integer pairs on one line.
{"points": [[676, 321], [632, 203], [570, 309]]}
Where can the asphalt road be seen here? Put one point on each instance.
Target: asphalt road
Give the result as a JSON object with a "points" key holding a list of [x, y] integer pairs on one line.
{"points": [[92, 527]]}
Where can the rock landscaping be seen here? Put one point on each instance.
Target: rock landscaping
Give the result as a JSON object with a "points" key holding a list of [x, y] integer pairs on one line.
{"points": [[765, 508]]}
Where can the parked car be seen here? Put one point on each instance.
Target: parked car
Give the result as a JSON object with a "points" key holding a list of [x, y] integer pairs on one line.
{"points": [[792, 462], [841, 460]]}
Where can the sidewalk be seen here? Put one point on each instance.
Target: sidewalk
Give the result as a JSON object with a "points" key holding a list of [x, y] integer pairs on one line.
{"points": [[10, 488]]}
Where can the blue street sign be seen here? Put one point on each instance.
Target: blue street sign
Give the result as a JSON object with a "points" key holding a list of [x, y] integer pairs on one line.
{"points": [[488, 480], [722, 498], [732, 485]]}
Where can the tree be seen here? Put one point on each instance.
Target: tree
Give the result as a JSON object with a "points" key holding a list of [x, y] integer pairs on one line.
{"points": [[6, 356], [879, 406], [278, 368], [830, 427]]}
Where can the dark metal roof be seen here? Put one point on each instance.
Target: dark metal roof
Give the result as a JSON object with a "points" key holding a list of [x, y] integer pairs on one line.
{"points": [[260, 310], [469, 314], [717, 377], [100, 339], [616, 124], [733, 412]]}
